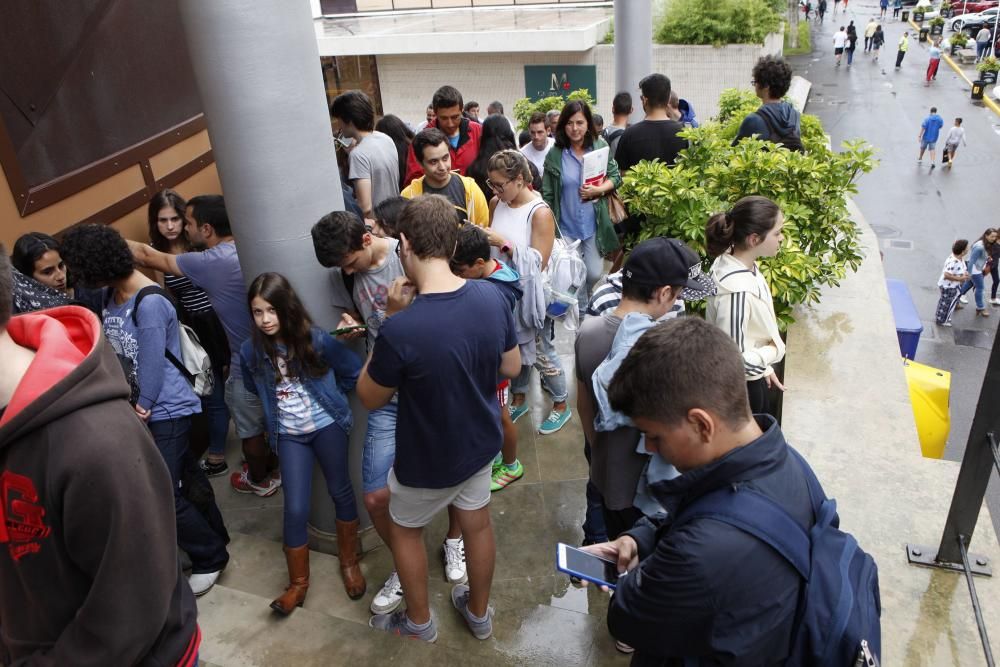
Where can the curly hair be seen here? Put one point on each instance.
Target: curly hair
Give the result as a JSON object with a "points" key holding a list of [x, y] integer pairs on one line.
{"points": [[97, 255], [335, 235], [773, 73]]}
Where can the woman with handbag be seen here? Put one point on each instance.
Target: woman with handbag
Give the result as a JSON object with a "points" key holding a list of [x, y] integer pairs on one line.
{"points": [[581, 210]]}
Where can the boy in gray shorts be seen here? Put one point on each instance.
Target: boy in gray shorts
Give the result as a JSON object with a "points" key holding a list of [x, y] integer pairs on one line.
{"points": [[444, 341]]}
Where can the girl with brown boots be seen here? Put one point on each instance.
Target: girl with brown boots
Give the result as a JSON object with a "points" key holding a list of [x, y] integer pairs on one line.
{"points": [[302, 376]]}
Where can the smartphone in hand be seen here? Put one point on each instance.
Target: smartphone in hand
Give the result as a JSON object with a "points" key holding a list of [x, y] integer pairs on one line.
{"points": [[344, 330], [585, 565]]}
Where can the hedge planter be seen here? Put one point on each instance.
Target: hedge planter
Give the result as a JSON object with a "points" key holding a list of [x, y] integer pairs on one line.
{"points": [[937, 29], [918, 17]]}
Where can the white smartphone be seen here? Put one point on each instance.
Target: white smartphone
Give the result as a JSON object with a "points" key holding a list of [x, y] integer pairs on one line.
{"points": [[585, 565]]}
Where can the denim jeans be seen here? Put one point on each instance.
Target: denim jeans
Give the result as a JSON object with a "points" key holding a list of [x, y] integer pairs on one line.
{"points": [[548, 364], [214, 406], [979, 284], [595, 269], [329, 446], [380, 447], [195, 535]]}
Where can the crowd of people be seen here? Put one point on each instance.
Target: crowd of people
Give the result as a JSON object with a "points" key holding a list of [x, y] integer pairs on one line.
{"points": [[442, 257]]}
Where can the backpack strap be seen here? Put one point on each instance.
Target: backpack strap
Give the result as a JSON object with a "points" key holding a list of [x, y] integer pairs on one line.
{"points": [[142, 294], [758, 515]]}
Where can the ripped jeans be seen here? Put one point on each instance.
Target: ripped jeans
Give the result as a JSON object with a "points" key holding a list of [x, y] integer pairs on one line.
{"points": [[548, 364]]}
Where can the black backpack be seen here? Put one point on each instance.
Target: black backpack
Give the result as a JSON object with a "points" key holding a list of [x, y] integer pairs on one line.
{"points": [[792, 141], [613, 137]]}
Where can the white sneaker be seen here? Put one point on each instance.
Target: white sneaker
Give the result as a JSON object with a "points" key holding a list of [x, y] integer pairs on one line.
{"points": [[202, 583], [389, 598], [995, 302], [946, 324], [624, 648], [453, 552], [963, 299]]}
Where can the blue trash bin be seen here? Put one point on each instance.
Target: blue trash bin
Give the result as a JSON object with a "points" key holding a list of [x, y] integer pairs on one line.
{"points": [[908, 326]]}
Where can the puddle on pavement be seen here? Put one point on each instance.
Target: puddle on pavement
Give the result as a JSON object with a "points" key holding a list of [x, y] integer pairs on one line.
{"points": [[570, 597]]}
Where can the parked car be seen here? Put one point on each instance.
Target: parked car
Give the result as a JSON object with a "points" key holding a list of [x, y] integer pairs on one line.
{"points": [[962, 8], [971, 23]]}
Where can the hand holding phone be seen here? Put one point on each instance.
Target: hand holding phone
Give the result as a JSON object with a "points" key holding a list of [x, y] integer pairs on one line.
{"points": [[587, 566], [349, 328]]}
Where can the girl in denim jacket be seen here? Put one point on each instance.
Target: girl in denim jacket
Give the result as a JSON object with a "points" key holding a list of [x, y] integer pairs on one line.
{"points": [[302, 376]]}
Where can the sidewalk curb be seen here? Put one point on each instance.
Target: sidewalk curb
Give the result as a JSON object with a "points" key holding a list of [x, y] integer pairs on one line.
{"points": [[994, 107]]}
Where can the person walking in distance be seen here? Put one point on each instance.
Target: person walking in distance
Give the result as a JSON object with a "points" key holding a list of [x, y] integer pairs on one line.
{"points": [[835, 3], [839, 42], [869, 33], [883, 5], [897, 5], [821, 9], [878, 39], [982, 43], [930, 130], [956, 136], [852, 43], [904, 44], [935, 59]]}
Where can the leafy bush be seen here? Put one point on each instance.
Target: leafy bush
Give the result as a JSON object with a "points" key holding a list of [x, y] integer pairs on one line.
{"points": [[821, 241], [989, 64], [805, 41], [524, 107], [959, 39], [718, 22]]}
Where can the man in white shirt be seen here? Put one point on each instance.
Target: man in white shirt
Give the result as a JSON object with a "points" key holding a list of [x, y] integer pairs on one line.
{"points": [[839, 42], [540, 143]]}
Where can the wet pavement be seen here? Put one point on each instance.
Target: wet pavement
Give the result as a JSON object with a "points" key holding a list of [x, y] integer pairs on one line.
{"points": [[917, 212]]}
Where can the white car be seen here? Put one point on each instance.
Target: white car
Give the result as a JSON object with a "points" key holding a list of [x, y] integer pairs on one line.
{"points": [[959, 22]]}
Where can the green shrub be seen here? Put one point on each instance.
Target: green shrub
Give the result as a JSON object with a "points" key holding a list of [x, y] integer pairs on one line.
{"points": [[524, 107], [717, 22], [821, 241], [805, 41]]}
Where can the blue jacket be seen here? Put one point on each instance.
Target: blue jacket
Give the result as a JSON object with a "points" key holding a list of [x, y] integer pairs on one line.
{"points": [[978, 257], [709, 590], [329, 391]]}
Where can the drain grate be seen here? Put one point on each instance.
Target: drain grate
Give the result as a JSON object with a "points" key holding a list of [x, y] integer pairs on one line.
{"points": [[974, 338], [901, 244]]}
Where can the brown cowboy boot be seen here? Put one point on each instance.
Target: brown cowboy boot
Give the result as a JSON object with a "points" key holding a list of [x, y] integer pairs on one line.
{"points": [[298, 580], [347, 547]]}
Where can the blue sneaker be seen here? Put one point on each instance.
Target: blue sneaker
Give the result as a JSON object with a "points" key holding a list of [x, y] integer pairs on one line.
{"points": [[555, 421], [518, 411], [398, 624]]}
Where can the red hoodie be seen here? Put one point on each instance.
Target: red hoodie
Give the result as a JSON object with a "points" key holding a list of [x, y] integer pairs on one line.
{"points": [[89, 573], [469, 134]]}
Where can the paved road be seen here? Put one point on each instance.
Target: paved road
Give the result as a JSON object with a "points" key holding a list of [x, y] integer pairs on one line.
{"points": [[917, 212]]}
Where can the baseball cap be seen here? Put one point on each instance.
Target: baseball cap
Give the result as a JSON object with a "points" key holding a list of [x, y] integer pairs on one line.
{"points": [[662, 261]]}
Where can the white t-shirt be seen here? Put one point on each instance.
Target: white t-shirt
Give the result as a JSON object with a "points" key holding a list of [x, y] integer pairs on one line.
{"points": [[537, 157], [955, 266], [956, 135], [840, 40]]}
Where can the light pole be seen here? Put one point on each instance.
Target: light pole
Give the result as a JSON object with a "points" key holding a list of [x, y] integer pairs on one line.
{"points": [[633, 47]]}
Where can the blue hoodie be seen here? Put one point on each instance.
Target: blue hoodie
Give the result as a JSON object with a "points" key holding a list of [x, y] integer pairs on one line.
{"points": [[782, 115]]}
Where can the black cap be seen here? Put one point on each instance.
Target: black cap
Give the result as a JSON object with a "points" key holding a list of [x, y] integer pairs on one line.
{"points": [[662, 261]]}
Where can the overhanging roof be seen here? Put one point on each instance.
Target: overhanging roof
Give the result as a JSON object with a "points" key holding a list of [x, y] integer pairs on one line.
{"points": [[478, 30]]}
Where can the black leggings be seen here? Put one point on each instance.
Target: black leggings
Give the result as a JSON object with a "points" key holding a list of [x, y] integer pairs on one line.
{"points": [[994, 276], [757, 392]]}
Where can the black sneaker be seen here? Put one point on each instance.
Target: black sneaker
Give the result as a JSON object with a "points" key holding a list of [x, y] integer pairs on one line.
{"points": [[214, 469]]}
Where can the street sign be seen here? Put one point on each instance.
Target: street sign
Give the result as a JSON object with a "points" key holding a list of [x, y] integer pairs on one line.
{"points": [[548, 80]]}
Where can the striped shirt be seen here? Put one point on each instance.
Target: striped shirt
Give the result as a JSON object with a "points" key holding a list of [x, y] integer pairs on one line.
{"points": [[608, 295], [193, 299]]}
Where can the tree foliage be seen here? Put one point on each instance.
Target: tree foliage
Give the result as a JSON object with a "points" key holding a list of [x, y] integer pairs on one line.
{"points": [[719, 22], [524, 107], [821, 241]]}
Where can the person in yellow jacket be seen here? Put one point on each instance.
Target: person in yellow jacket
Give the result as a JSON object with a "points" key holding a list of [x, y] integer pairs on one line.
{"points": [[904, 44], [742, 305], [430, 147]]}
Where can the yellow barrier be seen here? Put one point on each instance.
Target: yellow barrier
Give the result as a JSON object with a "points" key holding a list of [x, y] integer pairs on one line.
{"points": [[930, 390]]}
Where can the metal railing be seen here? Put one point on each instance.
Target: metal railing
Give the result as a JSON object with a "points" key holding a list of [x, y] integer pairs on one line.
{"points": [[981, 458]]}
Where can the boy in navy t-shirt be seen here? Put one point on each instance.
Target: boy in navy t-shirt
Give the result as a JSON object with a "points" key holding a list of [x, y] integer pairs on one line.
{"points": [[445, 341]]}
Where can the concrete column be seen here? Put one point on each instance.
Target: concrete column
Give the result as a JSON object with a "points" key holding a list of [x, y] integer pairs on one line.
{"points": [[633, 48], [258, 71]]}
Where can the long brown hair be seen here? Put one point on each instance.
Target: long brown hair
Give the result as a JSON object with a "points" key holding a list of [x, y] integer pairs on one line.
{"points": [[161, 200], [294, 327]]}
